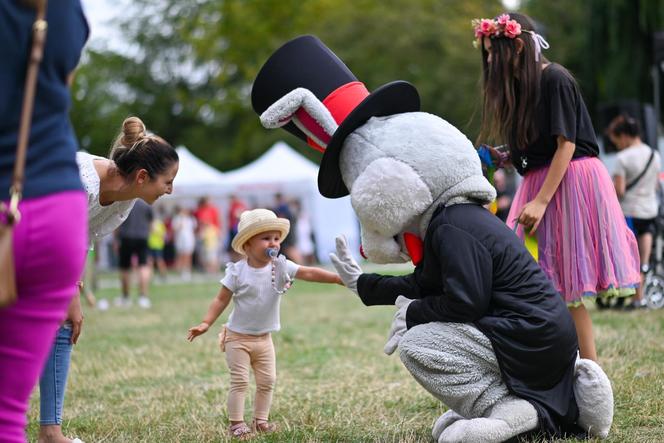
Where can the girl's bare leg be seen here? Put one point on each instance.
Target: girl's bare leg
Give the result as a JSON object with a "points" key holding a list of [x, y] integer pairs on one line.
{"points": [[584, 332]]}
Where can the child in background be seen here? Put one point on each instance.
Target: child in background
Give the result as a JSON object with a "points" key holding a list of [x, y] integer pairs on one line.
{"points": [[255, 284], [156, 243]]}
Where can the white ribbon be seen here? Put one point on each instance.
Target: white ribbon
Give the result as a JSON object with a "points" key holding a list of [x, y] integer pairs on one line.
{"points": [[540, 43]]}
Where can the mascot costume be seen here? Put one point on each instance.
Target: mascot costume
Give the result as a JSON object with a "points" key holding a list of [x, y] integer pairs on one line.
{"points": [[478, 324]]}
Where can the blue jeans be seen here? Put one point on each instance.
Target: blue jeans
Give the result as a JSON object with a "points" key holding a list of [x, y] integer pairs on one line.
{"points": [[53, 381]]}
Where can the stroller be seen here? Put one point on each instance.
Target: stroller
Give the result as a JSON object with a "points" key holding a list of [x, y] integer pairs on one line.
{"points": [[653, 288]]}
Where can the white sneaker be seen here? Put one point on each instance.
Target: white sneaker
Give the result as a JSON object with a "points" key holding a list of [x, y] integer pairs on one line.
{"points": [[144, 302], [122, 302], [103, 304]]}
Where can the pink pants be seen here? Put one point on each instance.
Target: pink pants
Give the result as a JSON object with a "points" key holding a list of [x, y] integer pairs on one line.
{"points": [[243, 353], [49, 251]]}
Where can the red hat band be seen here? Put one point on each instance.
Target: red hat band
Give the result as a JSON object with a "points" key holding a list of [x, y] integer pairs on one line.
{"points": [[340, 103]]}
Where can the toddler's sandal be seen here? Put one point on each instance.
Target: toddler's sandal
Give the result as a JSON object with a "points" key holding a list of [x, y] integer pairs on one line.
{"points": [[240, 431], [264, 426]]}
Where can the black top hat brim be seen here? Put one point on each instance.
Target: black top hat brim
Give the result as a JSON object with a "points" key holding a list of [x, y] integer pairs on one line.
{"points": [[392, 98]]}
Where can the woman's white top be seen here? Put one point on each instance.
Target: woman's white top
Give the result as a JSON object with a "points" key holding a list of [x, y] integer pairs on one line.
{"points": [[641, 200], [102, 220], [255, 301]]}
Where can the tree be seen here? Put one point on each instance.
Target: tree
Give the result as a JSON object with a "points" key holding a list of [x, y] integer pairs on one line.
{"points": [[608, 44], [190, 77]]}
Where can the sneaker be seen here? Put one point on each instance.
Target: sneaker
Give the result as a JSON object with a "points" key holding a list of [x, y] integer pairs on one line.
{"points": [[103, 304], [122, 302], [144, 302]]}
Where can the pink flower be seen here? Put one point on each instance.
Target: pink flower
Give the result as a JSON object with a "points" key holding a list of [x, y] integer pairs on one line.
{"points": [[503, 19], [512, 29], [487, 27]]}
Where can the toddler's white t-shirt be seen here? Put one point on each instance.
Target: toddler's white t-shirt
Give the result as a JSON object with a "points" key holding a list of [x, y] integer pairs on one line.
{"points": [[255, 301]]}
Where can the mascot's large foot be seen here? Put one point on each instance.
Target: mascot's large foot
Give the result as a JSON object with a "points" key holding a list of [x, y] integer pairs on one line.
{"points": [[443, 422], [506, 420], [594, 397]]}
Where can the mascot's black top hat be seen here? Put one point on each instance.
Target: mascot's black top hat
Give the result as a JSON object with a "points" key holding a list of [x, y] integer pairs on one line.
{"points": [[305, 62]]}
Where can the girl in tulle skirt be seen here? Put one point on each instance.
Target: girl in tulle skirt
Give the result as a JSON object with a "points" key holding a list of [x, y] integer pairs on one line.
{"points": [[567, 200]]}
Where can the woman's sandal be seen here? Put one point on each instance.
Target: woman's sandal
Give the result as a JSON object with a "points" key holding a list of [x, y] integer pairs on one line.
{"points": [[240, 430], [263, 426]]}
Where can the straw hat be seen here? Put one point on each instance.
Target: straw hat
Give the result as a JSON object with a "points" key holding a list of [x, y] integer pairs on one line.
{"points": [[256, 221]]}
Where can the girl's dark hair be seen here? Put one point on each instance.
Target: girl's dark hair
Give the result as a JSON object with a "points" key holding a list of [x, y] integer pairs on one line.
{"points": [[624, 124], [134, 149], [511, 86]]}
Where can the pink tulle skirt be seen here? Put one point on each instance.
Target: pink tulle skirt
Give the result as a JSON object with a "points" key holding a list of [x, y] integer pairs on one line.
{"points": [[583, 242]]}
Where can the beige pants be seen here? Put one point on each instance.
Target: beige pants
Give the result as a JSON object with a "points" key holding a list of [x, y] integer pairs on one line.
{"points": [[243, 352]]}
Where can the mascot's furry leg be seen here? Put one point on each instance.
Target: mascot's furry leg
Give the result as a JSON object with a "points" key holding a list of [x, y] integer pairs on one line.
{"points": [[456, 363]]}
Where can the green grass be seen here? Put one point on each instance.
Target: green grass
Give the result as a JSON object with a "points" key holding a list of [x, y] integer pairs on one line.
{"points": [[134, 377]]}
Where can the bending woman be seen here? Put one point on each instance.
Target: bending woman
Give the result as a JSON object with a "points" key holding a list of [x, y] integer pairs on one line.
{"points": [[140, 166]]}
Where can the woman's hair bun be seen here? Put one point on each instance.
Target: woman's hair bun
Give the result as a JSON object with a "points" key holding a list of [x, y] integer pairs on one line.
{"points": [[133, 129]]}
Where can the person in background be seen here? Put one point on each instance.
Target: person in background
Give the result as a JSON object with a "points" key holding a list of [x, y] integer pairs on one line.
{"points": [[184, 234], [305, 243], [50, 237], [636, 179], [208, 231], [235, 209], [566, 200], [503, 195], [156, 244], [289, 246], [141, 168], [133, 237], [255, 284]]}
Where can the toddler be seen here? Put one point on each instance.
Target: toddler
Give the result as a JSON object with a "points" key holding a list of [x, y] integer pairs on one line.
{"points": [[255, 284]]}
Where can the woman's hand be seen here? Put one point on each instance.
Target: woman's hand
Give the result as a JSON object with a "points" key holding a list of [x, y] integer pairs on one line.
{"points": [[197, 330], [531, 214], [75, 316]]}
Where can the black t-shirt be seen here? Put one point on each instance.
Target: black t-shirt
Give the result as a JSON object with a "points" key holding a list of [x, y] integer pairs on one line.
{"points": [[560, 111]]}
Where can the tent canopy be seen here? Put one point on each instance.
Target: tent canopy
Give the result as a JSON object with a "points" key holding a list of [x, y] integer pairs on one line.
{"points": [[195, 177], [279, 164], [282, 169]]}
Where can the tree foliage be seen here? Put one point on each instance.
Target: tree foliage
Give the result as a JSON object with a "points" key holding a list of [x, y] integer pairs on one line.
{"points": [[190, 65], [607, 44]]}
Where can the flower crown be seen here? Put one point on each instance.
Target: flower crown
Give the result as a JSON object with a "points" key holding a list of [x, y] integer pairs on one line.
{"points": [[503, 26]]}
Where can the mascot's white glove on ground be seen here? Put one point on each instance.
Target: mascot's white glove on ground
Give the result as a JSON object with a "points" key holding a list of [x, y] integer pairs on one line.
{"points": [[398, 325], [346, 266]]}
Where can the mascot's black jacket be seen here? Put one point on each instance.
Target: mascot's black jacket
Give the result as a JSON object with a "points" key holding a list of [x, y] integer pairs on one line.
{"points": [[475, 270]]}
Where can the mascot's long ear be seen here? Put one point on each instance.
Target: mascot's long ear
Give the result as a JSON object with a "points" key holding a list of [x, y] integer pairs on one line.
{"points": [[308, 113]]}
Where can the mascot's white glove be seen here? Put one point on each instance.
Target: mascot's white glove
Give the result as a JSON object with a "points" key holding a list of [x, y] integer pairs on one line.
{"points": [[398, 325], [346, 266]]}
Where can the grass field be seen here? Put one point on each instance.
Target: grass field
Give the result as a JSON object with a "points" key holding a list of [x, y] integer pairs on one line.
{"points": [[135, 378]]}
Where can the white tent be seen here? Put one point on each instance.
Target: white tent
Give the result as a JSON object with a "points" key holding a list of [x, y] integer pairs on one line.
{"points": [[195, 177], [282, 169]]}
